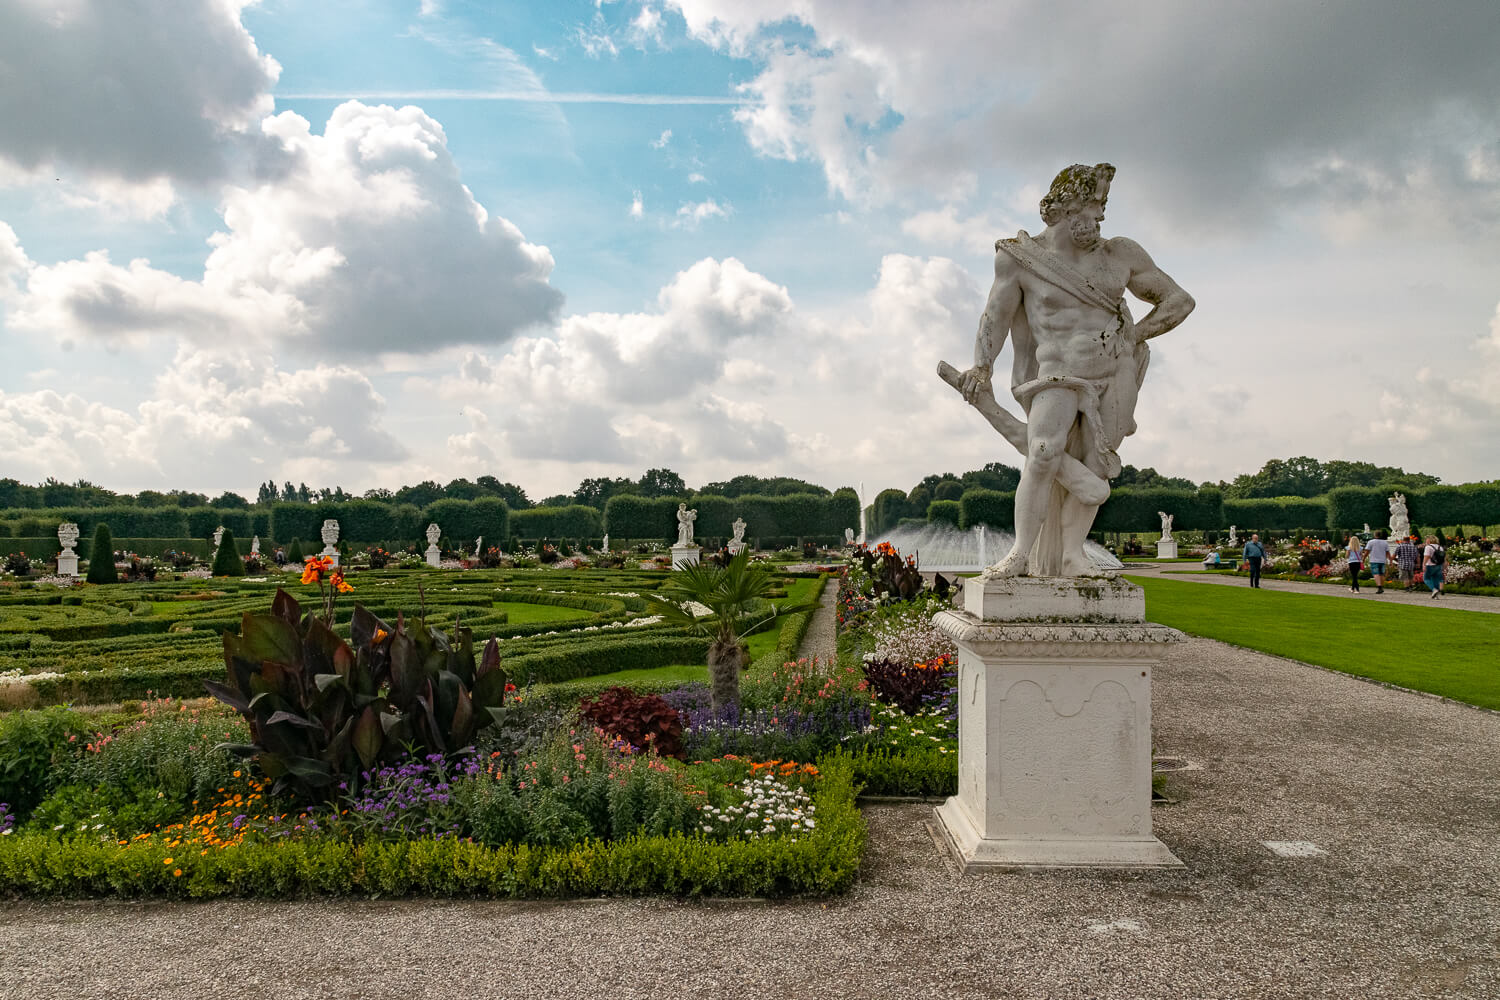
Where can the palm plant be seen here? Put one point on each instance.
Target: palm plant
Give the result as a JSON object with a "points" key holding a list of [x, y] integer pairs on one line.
{"points": [[735, 597]]}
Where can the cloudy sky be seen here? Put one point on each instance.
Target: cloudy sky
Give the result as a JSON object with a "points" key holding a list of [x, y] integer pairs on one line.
{"points": [[369, 242]]}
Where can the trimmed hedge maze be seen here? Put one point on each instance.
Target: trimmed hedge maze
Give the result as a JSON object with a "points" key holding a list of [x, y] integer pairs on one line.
{"points": [[97, 645]]}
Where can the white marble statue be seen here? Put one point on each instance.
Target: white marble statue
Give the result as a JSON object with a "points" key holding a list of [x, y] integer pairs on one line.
{"points": [[67, 559], [1079, 363], [218, 537], [739, 530], [1234, 539], [433, 555], [604, 545], [1367, 530], [479, 545], [1400, 522], [685, 519], [433, 534], [255, 545], [1166, 525], [848, 536]]}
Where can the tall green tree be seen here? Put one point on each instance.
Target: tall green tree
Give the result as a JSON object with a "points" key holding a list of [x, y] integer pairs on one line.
{"points": [[662, 483], [102, 557]]}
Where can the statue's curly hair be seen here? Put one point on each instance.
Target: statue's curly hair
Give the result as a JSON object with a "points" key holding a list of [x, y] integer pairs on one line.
{"points": [[1072, 187]]}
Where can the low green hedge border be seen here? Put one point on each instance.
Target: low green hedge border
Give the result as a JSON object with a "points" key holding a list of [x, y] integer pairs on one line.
{"points": [[823, 861]]}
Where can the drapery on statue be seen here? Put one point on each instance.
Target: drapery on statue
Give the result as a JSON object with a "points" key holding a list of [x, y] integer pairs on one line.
{"points": [[685, 519], [739, 529], [1166, 524], [1079, 363]]}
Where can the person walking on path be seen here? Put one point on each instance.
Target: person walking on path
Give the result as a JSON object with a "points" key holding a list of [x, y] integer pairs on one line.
{"points": [[1377, 554], [1408, 558], [1254, 554], [1356, 555], [1433, 561]]}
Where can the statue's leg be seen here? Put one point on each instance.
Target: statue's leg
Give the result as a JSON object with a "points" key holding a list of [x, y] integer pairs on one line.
{"points": [[1051, 417]]}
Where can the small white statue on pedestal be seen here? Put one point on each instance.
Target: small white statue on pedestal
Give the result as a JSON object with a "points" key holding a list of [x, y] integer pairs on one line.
{"points": [[330, 536], [1233, 538], [67, 559], [604, 545], [848, 536], [1166, 547], [218, 537], [434, 555], [255, 545], [685, 553], [737, 544]]}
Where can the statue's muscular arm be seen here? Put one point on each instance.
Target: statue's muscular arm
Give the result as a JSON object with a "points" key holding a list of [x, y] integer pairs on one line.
{"points": [[1151, 284], [994, 324]]}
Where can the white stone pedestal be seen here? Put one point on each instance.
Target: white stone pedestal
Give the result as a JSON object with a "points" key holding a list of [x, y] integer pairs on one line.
{"points": [[1166, 549], [1054, 728], [332, 554], [67, 564], [434, 556], [735, 548], [685, 555]]}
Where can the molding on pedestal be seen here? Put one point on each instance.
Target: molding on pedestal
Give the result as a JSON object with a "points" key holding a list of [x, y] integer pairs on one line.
{"points": [[973, 852], [1052, 641]]}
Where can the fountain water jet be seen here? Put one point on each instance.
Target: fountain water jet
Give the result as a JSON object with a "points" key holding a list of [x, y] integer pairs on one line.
{"points": [[942, 548]]}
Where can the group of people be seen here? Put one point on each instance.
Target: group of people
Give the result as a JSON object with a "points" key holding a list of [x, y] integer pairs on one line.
{"points": [[1413, 562]]}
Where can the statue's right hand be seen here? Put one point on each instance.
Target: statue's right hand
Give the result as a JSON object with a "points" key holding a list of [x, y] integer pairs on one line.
{"points": [[975, 381]]}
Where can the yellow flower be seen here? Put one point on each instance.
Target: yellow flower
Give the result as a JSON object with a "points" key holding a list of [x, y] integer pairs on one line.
{"points": [[166, 861]]}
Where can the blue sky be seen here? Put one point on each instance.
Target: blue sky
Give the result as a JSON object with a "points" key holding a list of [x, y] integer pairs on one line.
{"points": [[367, 243]]}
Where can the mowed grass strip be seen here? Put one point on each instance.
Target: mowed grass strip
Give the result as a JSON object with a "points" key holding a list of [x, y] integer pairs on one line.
{"points": [[529, 614], [1440, 650]]}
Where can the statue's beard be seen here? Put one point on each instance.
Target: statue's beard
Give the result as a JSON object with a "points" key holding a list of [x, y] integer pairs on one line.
{"points": [[1083, 232]]}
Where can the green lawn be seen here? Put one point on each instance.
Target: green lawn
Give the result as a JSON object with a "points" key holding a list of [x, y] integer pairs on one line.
{"points": [[1444, 651], [518, 613]]}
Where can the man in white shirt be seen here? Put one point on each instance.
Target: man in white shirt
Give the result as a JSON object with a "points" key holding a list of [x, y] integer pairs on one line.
{"points": [[1377, 554]]}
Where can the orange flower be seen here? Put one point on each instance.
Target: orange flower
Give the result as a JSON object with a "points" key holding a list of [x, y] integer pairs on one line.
{"points": [[166, 861], [177, 872]]}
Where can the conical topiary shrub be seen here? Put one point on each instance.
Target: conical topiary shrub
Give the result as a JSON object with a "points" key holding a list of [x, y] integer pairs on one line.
{"points": [[227, 561], [294, 553], [102, 557]]}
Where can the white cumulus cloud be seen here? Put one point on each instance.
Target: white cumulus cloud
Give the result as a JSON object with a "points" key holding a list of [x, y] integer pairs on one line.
{"points": [[369, 242]]}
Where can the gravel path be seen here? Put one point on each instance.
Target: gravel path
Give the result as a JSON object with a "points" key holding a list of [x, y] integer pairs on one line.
{"points": [[820, 639], [1400, 790], [1393, 594]]}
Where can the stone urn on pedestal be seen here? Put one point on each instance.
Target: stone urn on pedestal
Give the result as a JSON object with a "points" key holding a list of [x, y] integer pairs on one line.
{"points": [[434, 555], [67, 559], [330, 536]]}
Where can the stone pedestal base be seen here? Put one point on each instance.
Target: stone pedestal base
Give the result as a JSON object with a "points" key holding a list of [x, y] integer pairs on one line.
{"points": [[1054, 727], [1167, 549], [685, 555], [331, 553], [67, 564], [735, 548], [434, 556]]}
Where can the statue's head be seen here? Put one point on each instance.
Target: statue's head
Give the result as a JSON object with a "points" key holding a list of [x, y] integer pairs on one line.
{"points": [[1073, 190], [682, 506]]}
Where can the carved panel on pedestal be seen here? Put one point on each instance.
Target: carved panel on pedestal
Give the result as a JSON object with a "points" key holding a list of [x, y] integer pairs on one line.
{"points": [[1068, 754]]}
